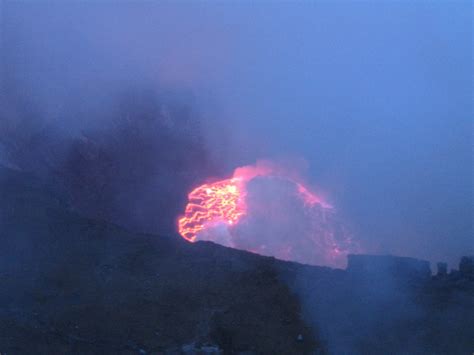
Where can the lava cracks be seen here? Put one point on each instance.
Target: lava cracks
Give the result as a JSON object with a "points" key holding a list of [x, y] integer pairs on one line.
{"points": [[220, 202], [267, 213]]}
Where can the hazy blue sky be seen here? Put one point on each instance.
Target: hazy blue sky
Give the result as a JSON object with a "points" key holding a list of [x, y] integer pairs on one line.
{"points": [[376, 96]]}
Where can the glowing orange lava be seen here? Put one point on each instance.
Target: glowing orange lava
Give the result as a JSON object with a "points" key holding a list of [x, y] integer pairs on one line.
{"points": [[268, 210], [224, 201], [221, 201]]}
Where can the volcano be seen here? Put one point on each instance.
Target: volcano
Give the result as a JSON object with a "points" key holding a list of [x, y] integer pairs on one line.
{"points": [[269, 211]]}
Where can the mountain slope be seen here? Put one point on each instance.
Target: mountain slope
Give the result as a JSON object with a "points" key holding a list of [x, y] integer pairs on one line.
{"points": [[76, 285], [81, 286]]}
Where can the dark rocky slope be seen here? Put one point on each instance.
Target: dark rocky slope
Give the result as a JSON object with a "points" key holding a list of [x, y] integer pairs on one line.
{"points": [[76, 285], [81, 286]]}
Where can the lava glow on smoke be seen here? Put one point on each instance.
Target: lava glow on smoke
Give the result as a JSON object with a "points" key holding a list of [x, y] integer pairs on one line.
{"points": [[266, 210], [222, 201]]}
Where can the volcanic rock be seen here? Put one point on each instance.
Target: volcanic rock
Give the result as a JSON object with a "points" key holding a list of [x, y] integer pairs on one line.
{"points": [[81, 286], [75, 285]]}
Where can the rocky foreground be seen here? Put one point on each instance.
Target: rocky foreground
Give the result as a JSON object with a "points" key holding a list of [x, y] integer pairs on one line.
{"points": [[80, 286]]}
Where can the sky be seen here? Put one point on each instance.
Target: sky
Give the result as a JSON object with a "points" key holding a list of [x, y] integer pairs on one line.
{"points": [[376, 97]]}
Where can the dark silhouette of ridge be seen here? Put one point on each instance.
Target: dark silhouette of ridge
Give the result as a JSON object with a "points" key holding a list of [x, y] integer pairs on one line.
{"points": [[76, 285]]}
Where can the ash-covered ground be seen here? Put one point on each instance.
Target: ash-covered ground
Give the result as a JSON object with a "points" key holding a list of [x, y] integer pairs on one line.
{"points": [[77, 285]]}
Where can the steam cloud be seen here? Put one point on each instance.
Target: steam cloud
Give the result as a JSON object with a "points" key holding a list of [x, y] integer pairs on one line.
{"points": [[279, 222]]}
